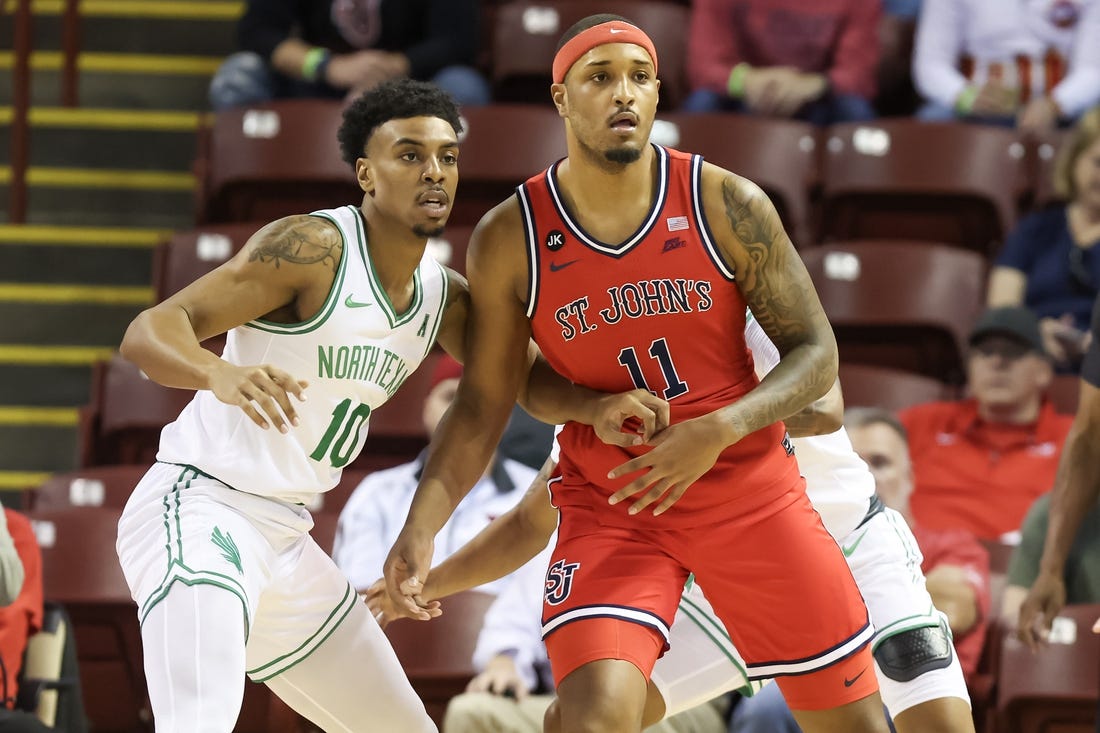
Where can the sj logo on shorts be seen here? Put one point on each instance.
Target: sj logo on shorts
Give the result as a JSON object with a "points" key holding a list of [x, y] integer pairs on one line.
{"points": [[559, 581]]}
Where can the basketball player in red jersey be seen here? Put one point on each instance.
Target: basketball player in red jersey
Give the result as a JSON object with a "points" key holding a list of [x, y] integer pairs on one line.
{"points": [[631, 266]]}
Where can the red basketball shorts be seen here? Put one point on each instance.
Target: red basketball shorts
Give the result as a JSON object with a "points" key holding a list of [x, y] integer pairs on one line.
{"points": [[775, 577]]}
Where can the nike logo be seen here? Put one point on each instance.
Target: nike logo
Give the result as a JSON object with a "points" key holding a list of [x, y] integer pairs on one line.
{"points": [[554, 266], [617, 30], [353, 304], [850, 682], [849, 549]]}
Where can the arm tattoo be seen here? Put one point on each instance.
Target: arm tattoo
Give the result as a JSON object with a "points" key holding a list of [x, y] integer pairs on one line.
{"points": [[302, 240], [776, 288], [766, 278]]}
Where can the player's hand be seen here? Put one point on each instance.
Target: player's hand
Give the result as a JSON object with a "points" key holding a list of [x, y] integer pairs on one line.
{"points": [[795, 90], [383, 608], [1045, 599], [681, 454], [406, 569], [629, 418], [267, 386], [500, 678]]}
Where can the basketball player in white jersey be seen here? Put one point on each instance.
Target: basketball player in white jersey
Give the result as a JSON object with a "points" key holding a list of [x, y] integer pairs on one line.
{"points": [[920, 679], [340, 306]]}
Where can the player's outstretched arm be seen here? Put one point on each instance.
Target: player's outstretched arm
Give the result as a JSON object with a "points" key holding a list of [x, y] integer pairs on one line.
{"points": [[1076, 490], [496, 338], [501, 548], [281, 266]]}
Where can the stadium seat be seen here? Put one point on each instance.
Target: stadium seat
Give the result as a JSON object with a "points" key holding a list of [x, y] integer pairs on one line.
{"points": [[272, 160], [122, 422], [1045, 157], [1056, 689], [780, 156], [437, 656], [450, 247], [867, 385], [188, 255], [906, 305], [526, 32], [106, 486], [503, 145], [81, 571], [956, 183]]}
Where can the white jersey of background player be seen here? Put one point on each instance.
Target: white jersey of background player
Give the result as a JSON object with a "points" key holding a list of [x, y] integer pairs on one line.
{"points": [[214, 542], [920, 679]]}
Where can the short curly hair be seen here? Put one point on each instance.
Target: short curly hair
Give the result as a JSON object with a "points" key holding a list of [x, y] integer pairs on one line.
{"points": [[394, 100]]}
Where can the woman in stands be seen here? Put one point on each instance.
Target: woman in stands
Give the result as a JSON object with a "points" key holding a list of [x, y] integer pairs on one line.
{"points": [[1050, 262]]}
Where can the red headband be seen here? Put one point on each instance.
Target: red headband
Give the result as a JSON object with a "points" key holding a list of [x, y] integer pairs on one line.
{"points": [[613, 31]]}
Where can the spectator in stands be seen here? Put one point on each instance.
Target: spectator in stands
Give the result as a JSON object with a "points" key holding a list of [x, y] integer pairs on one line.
{"points": [[1082, 568], [784, 58], [20, 614], [338, 48], [955, 565], [980, 462], [1030, 63], [375, 512], [514, 686], [1050, 262]]}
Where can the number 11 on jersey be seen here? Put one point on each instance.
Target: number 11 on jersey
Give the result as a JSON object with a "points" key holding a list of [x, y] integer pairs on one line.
{"points": [[674, 386]]}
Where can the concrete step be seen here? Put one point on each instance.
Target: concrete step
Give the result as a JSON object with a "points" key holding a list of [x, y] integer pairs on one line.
{"points": [[118, 80], [61, 264], [38, 448], [63, 324], [45, 385]]}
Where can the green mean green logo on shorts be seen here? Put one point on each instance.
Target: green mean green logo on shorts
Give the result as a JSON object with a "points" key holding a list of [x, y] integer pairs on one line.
{"points": [[228, 548]]}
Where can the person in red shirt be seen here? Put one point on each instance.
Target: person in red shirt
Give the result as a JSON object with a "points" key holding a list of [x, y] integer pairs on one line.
{"points": [[981, 462], [955, 565], [631, 266], [784, 58], [19, 621]]}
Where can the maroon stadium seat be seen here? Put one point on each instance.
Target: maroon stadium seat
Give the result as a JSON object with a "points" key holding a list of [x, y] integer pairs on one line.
{"points": [[503, 145], [272, 160], [867, 385], [526, 33], [81, 571], [780, 156], [906, 305], [903, 179], [1056, 689], [188, 255], [105, 486], [122, 422], [1045, 158]]}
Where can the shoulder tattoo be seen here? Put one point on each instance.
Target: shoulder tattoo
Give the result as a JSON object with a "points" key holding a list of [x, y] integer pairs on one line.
{"points": [[301, 240]]}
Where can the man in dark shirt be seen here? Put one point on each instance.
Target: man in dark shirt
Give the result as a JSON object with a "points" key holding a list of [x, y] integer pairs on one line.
{"points": [[335, 48]]}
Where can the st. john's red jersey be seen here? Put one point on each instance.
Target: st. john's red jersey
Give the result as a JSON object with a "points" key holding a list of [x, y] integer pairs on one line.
{"points": [[660, 311]]}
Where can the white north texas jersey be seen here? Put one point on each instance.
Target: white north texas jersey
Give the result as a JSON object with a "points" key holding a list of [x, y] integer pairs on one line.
{"points": [[355, 353], [838, 482]]}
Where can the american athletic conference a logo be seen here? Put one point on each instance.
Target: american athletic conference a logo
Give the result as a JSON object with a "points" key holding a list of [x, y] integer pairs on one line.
{"points": [[559, 581]]}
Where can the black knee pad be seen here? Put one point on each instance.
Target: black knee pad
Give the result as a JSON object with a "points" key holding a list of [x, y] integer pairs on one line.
{"points": [[905, 656]]}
